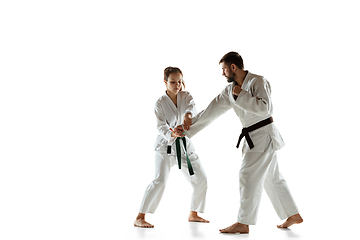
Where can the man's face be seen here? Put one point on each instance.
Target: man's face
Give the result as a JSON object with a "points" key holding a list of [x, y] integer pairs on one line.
{"points": [[227, 72]]}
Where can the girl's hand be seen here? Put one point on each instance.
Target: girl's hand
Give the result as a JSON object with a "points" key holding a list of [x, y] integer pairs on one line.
{"points": [[187, 121], [178, 132], [179, 129]]}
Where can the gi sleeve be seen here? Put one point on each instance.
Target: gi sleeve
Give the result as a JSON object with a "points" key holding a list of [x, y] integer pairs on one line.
{"points": [[190, 105], [216, 108], [257, 99], [162, 125]]}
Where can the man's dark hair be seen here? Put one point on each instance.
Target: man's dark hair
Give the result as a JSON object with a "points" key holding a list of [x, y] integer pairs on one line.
{"points": [[232, 58]]}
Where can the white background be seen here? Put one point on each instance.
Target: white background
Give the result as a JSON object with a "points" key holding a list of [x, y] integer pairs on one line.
{"points": [[79, 80]]}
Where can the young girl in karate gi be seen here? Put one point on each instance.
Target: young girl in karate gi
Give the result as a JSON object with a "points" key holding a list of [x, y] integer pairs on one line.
{"points": [[174, 108]]}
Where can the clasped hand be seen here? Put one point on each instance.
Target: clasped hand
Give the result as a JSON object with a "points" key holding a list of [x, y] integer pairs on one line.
{"points": [[237, 90], [179, 130]]}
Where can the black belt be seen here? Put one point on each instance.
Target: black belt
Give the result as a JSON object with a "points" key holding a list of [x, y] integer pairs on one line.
{"points": [[245, 131]]}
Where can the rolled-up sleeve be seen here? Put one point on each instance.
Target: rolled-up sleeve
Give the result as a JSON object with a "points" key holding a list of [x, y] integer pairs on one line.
{"points": [[190, 105]]}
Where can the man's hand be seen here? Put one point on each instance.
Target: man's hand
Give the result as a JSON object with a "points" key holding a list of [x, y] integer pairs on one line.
{"points": [[187, 121], [237, 90], [177, 132]]}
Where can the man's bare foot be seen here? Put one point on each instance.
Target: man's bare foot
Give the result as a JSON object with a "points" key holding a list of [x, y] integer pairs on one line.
{"points": [[295, 219], [193, 217], [236, 228], [140, 221]]}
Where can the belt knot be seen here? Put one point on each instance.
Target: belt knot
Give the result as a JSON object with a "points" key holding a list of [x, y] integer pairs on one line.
{"points": [[245, 131]]}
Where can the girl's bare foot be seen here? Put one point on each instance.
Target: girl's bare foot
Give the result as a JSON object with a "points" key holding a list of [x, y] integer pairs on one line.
{"points": [[236, 228], [295, 219], [193, 217], [140, 221]]}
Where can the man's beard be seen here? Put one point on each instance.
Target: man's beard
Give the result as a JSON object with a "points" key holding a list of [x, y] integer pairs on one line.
{"points": [[231, 79]]}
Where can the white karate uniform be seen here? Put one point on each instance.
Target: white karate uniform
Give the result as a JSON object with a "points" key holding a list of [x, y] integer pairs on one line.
{"points": [[259, 167], [169, 116]]}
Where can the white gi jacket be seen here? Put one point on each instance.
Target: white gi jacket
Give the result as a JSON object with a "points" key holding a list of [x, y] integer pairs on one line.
{"points": [[170, 116], [252, 105]]}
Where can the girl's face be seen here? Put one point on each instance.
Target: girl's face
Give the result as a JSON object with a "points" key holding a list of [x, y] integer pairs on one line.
{"points": [[174, 82]]}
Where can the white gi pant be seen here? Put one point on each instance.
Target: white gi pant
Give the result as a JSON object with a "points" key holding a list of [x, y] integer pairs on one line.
{"points": [[155, 190], [260, 170]]}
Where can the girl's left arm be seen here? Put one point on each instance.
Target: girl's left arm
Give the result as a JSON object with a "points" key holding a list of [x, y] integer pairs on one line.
{"points": [[190, 105]]}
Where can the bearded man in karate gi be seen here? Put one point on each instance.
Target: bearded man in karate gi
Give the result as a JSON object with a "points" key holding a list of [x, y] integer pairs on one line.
{"points": [[249, 96]]}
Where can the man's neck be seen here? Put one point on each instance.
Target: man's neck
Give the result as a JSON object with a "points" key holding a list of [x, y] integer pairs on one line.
{"points": [[240, 76]]}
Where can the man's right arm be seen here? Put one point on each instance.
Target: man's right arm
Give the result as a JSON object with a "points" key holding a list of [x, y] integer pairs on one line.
{"points": [[216, 108]]}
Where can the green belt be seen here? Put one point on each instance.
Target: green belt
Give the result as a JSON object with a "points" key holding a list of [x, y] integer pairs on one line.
{"points": [[178, 152]]}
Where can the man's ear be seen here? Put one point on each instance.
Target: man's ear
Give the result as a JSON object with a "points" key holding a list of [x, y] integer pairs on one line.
{"points": [[233, 67]]}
